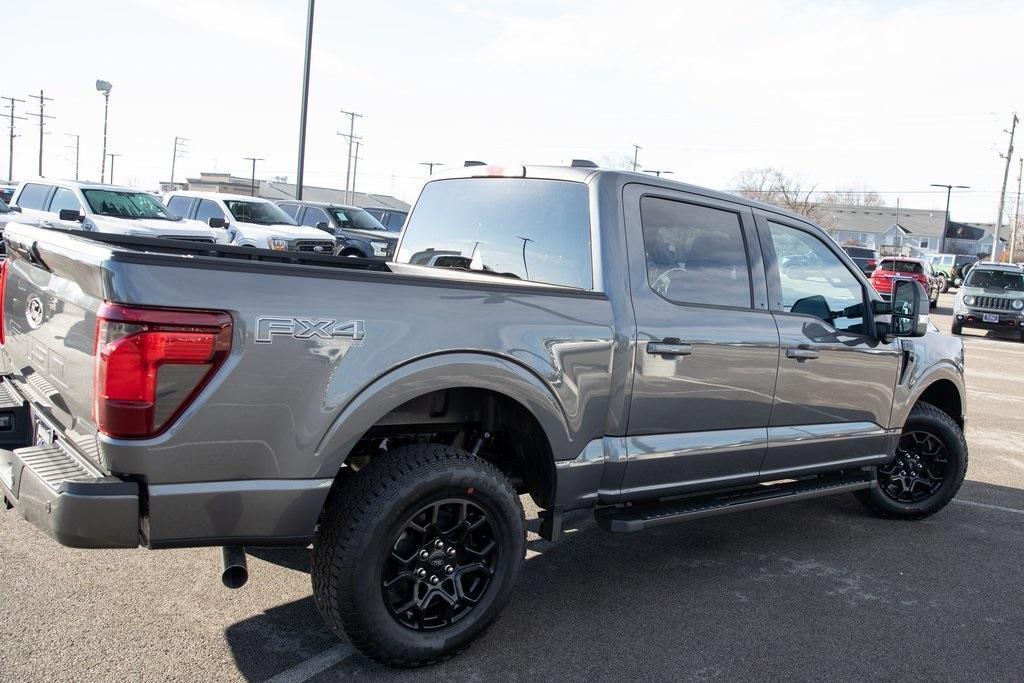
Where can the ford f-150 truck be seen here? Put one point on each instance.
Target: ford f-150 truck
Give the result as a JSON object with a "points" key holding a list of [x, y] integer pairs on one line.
{"points": [[596, 339]]}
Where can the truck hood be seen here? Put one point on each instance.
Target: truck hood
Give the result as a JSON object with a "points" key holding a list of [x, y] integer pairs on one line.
{"points": [[150, 227], [373, 235], [292, 232]]}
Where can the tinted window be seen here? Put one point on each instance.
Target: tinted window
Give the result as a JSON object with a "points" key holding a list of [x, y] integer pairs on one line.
{"points": [[313, 216], [528, 229], [290, 209], [395, 221], [33, 196], [260, 213], [64, 199], [695, 254], [901, 266], [126, 204], [179, 205], [857, 252], [1005, 280], [814, 281], [207, 210], [356, 218]]}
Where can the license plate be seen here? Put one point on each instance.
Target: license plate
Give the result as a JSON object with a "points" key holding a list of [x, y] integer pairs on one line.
{"points": [[990, 317], [44, 434]]}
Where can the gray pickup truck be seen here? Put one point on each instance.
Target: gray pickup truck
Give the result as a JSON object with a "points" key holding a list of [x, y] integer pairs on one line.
{"points": [[596, 339]]}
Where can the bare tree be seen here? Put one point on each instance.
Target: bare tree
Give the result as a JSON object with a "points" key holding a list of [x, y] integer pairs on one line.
{"points": [[773, 186], [854, 196]]}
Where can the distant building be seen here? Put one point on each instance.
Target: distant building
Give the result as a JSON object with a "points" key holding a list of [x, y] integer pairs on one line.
{"points": [[909, 232], [222, 182], [272, 189]]}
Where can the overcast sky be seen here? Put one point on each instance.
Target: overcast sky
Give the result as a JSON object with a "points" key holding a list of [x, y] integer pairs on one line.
{"points": [[888, 96]]}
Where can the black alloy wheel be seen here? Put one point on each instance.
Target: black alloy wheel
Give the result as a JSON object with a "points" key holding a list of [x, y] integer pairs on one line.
{"points": [[919, 469]]}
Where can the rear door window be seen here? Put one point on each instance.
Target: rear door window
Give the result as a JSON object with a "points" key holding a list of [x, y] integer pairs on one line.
{"points": [[208, 209], [179, 205], [33, 196], [313, 216]]}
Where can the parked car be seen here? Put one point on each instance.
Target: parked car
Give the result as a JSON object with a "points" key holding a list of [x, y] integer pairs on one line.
{"points": [[991, 298], [248, 221], [648, 362], [892, 268], [392, 219], [865, 258], [75, 205], [948, 268], [6, 192], [357, 232]]}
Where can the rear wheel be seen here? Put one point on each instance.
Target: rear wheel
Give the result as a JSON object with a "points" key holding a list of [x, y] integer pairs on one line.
{"points": [[417, 553], [943, 284], [927, 470]]}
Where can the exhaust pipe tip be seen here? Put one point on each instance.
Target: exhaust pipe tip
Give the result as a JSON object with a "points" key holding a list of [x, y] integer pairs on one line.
{"points": [[236, 569]]}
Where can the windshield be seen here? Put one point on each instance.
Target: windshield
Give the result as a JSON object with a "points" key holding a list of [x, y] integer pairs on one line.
{"points": [[902, 266], [856, 252], [127, 204], [536, 230], [356, 218], [260, 213], [1007, 280]]}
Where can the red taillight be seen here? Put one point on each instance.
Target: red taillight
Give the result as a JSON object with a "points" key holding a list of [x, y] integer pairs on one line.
{"points": [[151, 363], [3, 293]]}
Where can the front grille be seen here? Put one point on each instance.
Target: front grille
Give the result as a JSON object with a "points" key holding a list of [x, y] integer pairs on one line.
{"points": [[993, 302], [52, 464], [326, 246], [188, 238]]}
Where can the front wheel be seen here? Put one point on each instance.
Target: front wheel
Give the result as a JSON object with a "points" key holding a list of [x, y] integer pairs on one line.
{"points": [[417, 553], [943, 284], [927, 470]]}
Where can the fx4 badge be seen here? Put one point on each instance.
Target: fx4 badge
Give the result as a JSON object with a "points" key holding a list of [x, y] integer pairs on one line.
{"points": [[305, 328]]}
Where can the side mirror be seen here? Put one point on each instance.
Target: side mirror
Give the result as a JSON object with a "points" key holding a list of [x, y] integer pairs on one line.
{"points": [[215, 222], [15, 208], [322, 225], [909, 309], [71, 215]]}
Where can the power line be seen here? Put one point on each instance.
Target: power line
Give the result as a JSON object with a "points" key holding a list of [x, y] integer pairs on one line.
{"points": [[352, 116], [10, 135], [430, 165], [180, 150], [1002, 193], [75, 136], [112, 156], [42, 124]]}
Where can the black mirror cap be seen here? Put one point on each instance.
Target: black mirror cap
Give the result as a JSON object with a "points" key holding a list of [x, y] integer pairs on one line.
{"points": [[15, 208], [215, 222], [323, 225], [909, 309], [71, 215]]}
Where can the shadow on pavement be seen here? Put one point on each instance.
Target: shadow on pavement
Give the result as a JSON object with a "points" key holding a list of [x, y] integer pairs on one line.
{"points": [[813, 590]]}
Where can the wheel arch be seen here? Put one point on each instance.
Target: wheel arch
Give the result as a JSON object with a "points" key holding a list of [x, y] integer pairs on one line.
{"points": [[944, 395], [511, 385]]}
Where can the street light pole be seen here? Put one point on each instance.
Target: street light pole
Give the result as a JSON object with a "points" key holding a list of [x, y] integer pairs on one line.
{"points": [[1002, 192], [430, 165], [112, 157], [526, 268], [105, 88], [75, 136], [636, 152], [945, 227], [659, 173], [252, 182], [305, 101]]}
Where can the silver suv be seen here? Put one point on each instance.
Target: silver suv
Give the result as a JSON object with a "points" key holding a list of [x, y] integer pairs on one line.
{"points": [[991, 298]]}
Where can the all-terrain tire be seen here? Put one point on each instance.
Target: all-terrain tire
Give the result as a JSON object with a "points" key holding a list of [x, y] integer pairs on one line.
{"points": [[957, 329], [927, 418], [358, 531], [943, 284]]}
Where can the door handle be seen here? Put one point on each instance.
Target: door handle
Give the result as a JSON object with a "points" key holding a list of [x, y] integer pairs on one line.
{"points": [[801, 354], [669, 347]]}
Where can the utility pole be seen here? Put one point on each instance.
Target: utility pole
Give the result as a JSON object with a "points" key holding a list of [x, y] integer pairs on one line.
{"points": [[352, 116], [112, 157], [42, 124], [1002, 193], [10, 134], [305, 101], [355, 167], [526, 268], [104, 87], [1016, 216], [75, 136], [180, 149], [252, 183], [659, 173], [636, 152], [430, 165], [945, 226]]}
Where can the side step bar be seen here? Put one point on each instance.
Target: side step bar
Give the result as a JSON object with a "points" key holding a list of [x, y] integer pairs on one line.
{"points": [[638, 517]]}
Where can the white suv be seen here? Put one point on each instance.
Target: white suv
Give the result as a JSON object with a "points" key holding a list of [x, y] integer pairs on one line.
{"points": [[74, 205], [249, 221]]}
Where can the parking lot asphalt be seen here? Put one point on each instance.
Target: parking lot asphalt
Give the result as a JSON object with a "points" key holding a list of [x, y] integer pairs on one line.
{"points": [[813, 590]]}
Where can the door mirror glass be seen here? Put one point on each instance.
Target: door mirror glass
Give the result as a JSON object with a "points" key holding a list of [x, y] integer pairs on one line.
{"points": [[909, 309], [70, 215], [215, 222]]}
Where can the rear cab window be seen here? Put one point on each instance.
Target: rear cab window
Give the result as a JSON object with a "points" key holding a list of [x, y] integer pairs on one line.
{"points": [[520, 228], [900, 266], [33, 196]]}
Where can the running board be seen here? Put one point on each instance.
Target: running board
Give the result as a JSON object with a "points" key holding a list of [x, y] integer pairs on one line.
{"points": [[638, 517]]}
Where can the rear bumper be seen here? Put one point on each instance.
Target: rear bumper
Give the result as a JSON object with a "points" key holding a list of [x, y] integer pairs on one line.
{"points": [[82, 511]]}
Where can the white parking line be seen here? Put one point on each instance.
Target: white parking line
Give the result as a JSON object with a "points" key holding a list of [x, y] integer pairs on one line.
{"points": [[1001, 508], [314, 665]]}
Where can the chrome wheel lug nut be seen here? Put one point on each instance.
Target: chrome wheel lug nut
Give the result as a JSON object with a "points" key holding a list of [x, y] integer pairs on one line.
{"points": [[434, 580], [421, 572], [424, 554], [450, 552], [438, 544], [448, 569]]}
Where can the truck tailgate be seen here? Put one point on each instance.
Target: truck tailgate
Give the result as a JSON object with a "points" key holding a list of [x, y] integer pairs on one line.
{"points": [[50, 299]]}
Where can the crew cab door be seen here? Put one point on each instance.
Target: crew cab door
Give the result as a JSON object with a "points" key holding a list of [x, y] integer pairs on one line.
{"points": [[836, 378], [707, 348]]}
